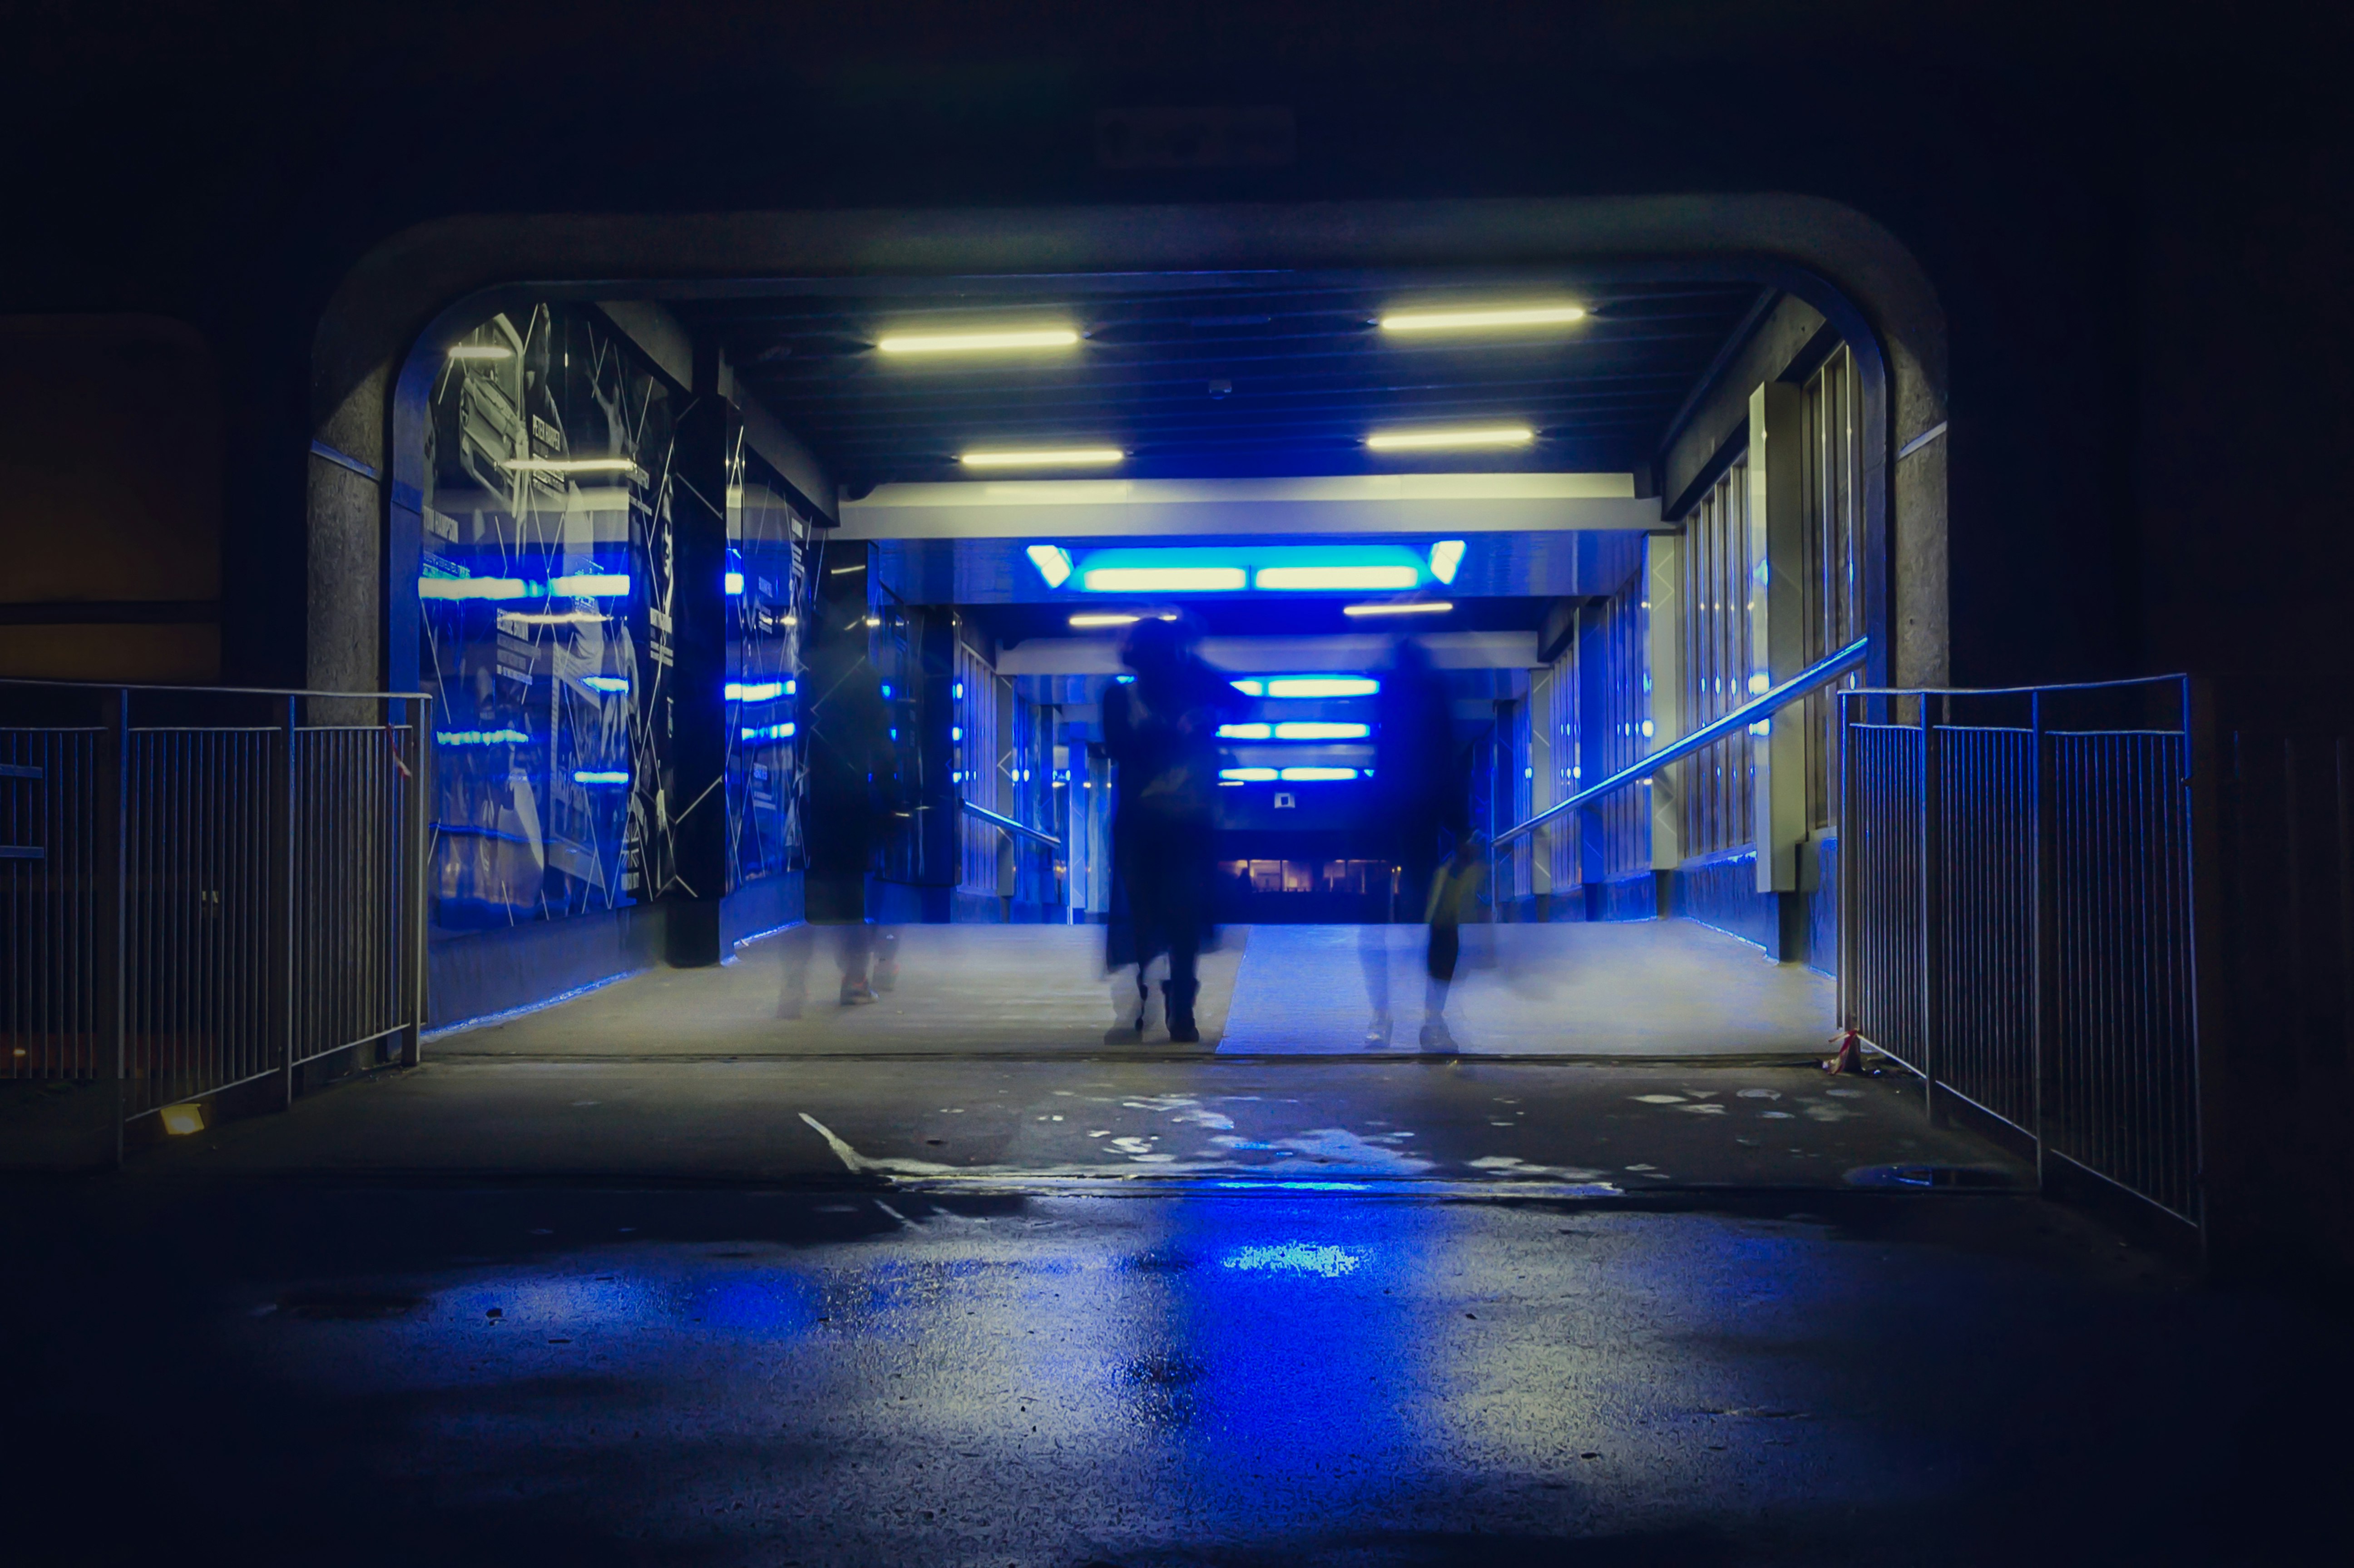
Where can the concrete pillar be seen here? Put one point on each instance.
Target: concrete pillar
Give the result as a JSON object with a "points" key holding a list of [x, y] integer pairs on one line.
{"points": [[688, 633], [1663, 679], [1777, 646]]}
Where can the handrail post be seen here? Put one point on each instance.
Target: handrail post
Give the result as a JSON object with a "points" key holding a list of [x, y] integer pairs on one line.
{"points": [[417, 862], [281, 893], [113, 911], [1933, 915], [2220, 1197], [2043, 1053], [1850, 922]]}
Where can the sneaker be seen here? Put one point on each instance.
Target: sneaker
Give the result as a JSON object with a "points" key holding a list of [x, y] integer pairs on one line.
{"points": [[886, 976], [1436, 1039], [1377, 1033], [856, 993]]}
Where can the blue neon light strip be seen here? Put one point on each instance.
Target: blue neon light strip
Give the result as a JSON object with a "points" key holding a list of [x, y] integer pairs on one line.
{"points": [[1291, 775], [1278, 568], [576, 585]]}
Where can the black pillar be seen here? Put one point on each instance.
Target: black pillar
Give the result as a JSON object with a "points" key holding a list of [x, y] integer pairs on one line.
{"points": [[694, 716]]}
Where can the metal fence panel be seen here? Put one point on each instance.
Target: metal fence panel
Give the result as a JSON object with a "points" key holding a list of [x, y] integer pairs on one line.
{"points": [[49, 950], [1986, 843], [266, 880], [2123, 1085], [1882, 835], [2046, 972]]}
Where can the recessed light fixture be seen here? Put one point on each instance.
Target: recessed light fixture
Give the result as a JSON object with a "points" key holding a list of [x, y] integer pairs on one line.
{"points": [[1115, 618], [482, 350], [1321, 729], [570, 465], [1483, 320], [1048, 457], [1419, 607], [1322, 686], [977, 342], [1436, 441]]}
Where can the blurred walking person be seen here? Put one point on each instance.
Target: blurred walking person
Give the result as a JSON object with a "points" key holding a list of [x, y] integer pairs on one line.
{"points": [[1161, 730], [1422, 804], [853, 769]]}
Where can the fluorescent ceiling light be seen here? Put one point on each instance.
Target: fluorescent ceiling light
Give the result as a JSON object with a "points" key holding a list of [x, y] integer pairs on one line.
{"points": [[605, 682], [552, 618], [570, 465], [1247, 775], [768, 732], [590, 585], [1164, 579], [481, 738], [590, 776], [1251, 688], [1106, 619], [977, 342], [1316, 775], [735, 584], [1436, 441], [1321, 729], [1322, 686], [1045, 457], [1445, 560], [1397, 576], [1419, 607], [1245, 732], [1483, 320], [755, 690], [472, 587], [1054, 563], [482, 350]]}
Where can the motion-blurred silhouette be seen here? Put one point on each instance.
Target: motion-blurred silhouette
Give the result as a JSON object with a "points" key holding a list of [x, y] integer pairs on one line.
{"points": [[851, 769], [1161, 730], [1420, 800]]}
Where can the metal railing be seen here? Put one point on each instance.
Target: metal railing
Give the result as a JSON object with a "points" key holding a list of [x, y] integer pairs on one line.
{"points": [[1765, 705], [1007, 824], [2018, 914], [207, 888]]}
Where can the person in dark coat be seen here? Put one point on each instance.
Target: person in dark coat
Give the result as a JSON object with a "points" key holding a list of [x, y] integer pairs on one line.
{"points": [[1161, 730], [1421, 801], [851, 768]]}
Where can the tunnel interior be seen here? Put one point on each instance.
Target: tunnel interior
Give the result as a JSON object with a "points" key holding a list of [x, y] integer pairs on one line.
{"points": [[639, 515]]}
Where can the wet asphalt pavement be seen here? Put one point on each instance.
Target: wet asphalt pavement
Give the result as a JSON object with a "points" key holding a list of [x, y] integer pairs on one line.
{"points": [[272, 1370]]}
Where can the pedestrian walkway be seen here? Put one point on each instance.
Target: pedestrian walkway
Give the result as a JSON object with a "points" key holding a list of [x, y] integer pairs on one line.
{"points": [[962, 989], [1643, 989], [1656, 988]]}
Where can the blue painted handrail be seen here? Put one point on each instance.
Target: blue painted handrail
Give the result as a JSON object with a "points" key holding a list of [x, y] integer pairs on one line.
{"points": [[1804, 683]]}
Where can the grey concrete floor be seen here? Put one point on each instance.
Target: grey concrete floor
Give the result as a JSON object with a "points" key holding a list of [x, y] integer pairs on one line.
{"points": [[269, 1369], [1653, 989]]}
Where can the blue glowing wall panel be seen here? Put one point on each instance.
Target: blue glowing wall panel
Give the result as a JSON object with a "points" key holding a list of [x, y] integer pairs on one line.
{"points": [[548, 475], [766, 596]]}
